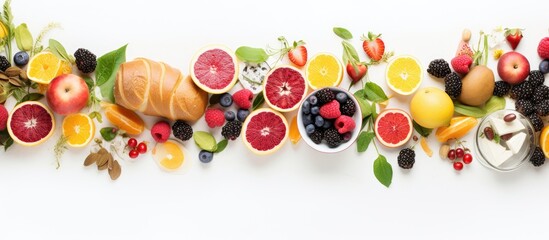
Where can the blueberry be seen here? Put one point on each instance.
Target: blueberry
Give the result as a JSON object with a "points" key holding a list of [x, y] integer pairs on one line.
{"points": [[347, 136], [341, 97], [313, 100], [307, 119], [327, 124], [226, 100], [310, 128], [21, 58], [315, 110], [229, 115], [205, 156], [306, 107], [242, 114], [544, 66], [319, 121]]}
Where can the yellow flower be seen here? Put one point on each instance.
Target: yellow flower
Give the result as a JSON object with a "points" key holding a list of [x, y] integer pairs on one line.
{"points": [[497, 53]]}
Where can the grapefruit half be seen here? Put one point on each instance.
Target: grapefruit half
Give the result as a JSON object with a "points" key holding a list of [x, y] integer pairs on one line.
{"points": [[265, 131], [393, 127], [30, 123], [284, 88], [214, 69]]}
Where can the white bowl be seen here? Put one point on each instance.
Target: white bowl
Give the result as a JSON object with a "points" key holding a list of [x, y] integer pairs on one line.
{"points": [[323, 147]]}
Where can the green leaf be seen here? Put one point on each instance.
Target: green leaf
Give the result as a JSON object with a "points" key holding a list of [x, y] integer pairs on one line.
{"points": [[250, 54], [364, 140], [97, 115], [205, 141], [89, 82], [374, 111], [31, 97], [494, 103], [383, 171], [8, 144], [258, 101], [364, 122], [59, 51], [108, 133], [350, 51], [469, 110], [343, 33], [23, 37], [424, 132], [221, 145], [105, 73], [365, 107], [374, 92]]}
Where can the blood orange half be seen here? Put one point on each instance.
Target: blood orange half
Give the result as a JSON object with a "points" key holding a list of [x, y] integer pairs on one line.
{"points": [[284, 88], [393, 127], [31, 123], [265, 131], [214, 69]]}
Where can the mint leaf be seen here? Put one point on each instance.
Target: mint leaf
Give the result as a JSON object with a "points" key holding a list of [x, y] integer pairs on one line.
{"points": [[374, 92], [23, 37], [383, 171], [250, 54], [364, 140], [221, 145], [343, 33], [105, 73], [424, 132]]}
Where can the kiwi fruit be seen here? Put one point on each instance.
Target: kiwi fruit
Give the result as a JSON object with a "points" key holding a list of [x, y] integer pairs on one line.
{"points": [[477, 86]]}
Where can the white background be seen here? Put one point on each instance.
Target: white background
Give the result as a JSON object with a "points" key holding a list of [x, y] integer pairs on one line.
{"points": [[296, 193]]}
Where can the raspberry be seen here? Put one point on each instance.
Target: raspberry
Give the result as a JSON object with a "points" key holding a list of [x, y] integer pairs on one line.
{"points": [[214, 117], [161, 131], [243, 98], [543, 48], [330, 110], [344, 124], [461, 64]]}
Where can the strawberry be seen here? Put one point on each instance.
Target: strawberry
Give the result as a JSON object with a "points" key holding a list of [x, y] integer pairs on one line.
{"points": [[373, 46], [513, 36], [358, 73], [461, 64], [298, 55], [543, 48], [464, 49]]}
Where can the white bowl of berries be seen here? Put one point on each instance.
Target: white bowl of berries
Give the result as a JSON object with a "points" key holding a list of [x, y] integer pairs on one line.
{"points": [[329, 119]]}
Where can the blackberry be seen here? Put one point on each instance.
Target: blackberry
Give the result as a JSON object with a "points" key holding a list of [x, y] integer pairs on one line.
{"points": [[231, 130], [439, 68], [537, 158], [182, 130], [406, 158], [325, 95], [501, 88], [542, 108], [332, 137], [452, 85], [541, 93], [536, 122], [85, 60], [536, 78], [4, 63], [317, 135], [348, 108], [523, 90], [524, 106]]}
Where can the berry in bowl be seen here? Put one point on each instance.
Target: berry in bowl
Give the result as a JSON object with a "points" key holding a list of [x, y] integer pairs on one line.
{"points": [[329, 119]]}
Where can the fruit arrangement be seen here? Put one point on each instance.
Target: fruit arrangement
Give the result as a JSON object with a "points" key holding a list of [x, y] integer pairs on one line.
{"points": [[285, 92]]}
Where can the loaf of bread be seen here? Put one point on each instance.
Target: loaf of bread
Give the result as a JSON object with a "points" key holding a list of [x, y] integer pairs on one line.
{"points": [[157, 89]]}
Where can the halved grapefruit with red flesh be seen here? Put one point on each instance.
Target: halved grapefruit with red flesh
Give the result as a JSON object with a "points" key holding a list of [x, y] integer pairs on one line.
{"points": [[265, 131], [31, 123], [393, 127], [214, 69], [284, 88]]}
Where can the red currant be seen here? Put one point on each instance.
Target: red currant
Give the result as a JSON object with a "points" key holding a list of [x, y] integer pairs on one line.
{"points": [[458, 166], [452, 154], [459, 152], [134, 153], [467, 158], [132, 143], [142, 147]]}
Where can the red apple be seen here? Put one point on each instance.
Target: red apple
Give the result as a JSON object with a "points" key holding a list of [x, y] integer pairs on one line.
{"points": [[67, 94], [513, 68]]}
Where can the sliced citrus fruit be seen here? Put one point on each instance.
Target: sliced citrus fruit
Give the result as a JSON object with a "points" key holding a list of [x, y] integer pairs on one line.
{"points": [[79, 129], [30, 123], [169, 155], [124, 118], [294, 131], [404, 74], [265, 131], [64, 68], [284, 88], [459, 127], [214, 69], [43, 67], [544, 141], [393, 127], [425, 147], [324, 70]]}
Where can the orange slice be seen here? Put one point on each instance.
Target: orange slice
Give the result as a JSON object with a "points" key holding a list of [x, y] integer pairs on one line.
{"points": [[324, 70], [43, 67], [64, 68], [79, 129], [169, 155], [404, 74], [459, 127], [294, 131], [425, 147], [124, 118], [544, 141]]}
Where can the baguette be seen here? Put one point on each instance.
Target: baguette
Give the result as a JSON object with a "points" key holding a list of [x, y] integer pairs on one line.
{"points": [[157, 89]]}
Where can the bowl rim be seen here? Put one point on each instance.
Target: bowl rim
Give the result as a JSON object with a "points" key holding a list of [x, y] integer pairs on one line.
{"points": [[322, 147]]}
